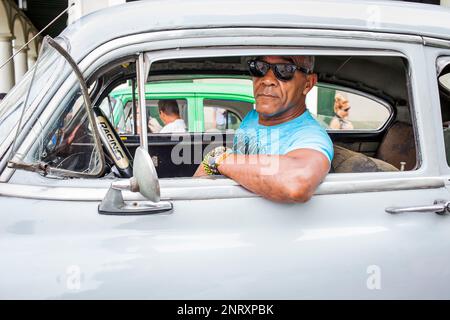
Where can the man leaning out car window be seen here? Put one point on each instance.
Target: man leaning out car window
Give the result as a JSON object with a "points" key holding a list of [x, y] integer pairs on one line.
{"points": [[280, 151]]}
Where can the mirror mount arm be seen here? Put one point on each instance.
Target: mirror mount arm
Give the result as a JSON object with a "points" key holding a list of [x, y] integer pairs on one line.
{"points": [[143, 69], [114, 204], [126, 185], [144, 181]]}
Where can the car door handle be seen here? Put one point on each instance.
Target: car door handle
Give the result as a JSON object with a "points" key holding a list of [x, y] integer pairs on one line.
{"points": [[440, 207]]}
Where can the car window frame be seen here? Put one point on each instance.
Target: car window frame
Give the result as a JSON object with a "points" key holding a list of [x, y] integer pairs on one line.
{"points": [[104, 52]]}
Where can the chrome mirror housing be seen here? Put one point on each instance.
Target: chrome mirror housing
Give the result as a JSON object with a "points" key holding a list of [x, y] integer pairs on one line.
{"points": [[145, 176], [145, 181]]}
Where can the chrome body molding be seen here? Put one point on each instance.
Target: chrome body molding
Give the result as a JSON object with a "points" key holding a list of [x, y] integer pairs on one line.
{"points": [[434, 42], [202, 189]]}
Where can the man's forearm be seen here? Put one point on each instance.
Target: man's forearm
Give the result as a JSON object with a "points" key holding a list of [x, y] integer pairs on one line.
{"points": [[268, 175], [286, 178]]}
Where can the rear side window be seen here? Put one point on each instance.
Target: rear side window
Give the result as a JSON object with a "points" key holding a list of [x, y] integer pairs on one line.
{"points": [[338, 108]]}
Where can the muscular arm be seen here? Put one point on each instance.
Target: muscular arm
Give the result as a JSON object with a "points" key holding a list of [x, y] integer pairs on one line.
{"points": [[285, 178]]}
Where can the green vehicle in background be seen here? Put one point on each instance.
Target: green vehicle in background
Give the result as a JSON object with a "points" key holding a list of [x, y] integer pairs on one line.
{"points": [[201, 103]]}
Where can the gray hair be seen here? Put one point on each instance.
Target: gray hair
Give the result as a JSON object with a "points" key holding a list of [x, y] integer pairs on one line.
{"points": [[304, 61], [308, 63]]}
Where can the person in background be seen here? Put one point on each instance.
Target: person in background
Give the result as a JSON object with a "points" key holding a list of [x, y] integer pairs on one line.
{"points": [[221, 119], [169, 113], [341, 111]]}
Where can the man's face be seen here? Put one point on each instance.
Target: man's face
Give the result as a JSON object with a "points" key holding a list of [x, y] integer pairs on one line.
{"points": [[273, 96]]}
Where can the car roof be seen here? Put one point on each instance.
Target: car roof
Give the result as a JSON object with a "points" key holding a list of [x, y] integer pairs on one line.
{"points": [[147, 16], [183, 88]]}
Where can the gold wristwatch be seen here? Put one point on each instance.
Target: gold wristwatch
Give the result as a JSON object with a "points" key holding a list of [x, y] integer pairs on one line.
{"points": [[214, 158]]}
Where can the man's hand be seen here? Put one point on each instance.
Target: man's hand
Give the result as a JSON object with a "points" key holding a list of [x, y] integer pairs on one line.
{"points": [[200, 172]]}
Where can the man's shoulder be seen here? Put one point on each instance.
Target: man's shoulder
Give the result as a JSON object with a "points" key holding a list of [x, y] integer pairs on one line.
{"points": [[251, 116], [311, 135], [250, 120], [305, 122], [308, 125]]}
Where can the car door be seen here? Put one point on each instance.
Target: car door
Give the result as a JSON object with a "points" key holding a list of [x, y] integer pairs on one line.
{"points": [[222, 241]]}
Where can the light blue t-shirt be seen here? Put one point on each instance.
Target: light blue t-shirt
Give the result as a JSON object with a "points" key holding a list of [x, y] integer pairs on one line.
{"points": [[301, 132]]}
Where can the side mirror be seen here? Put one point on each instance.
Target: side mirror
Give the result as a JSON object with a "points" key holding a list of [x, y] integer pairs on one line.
{"points": [[145, 181]]}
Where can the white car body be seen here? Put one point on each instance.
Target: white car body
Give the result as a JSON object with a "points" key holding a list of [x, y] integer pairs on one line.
{"points": [[221, 241]]}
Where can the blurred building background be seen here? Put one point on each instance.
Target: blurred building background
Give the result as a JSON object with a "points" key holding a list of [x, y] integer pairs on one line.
{"points": [[21, 20]]}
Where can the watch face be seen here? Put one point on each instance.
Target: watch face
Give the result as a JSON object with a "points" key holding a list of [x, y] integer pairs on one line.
{"points": [[212, 162], [212, 157]]}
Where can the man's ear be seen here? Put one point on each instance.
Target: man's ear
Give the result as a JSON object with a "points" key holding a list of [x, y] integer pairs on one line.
{"points": [[311, 81]]}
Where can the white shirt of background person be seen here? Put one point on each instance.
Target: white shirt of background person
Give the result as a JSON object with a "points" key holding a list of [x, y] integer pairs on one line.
{"points": [[176, 126]]}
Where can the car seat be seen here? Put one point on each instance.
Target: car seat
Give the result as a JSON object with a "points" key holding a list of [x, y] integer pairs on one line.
{"points": [[346, 161], [398, 146]]}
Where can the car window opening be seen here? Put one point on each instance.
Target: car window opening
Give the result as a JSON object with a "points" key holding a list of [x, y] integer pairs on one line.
{"points": [[194, 105]]}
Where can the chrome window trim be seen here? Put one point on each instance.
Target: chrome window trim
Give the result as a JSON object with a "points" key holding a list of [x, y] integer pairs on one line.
{"points": [[181, 38], [252, 32], [436, 42], [106, 53], [184, 53]]}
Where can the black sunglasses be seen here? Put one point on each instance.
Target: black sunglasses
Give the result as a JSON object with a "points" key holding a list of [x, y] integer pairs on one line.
{"points": [[283, 71]]}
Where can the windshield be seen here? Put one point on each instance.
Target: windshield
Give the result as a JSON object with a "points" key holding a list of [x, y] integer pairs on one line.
{"points": [[60, 137], [48, 67]]}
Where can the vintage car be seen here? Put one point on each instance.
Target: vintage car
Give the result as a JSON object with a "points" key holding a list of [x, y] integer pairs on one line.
{"points": [[88, 211], [197, 101]]}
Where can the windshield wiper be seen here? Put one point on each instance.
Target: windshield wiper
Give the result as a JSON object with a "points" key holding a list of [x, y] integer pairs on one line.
{"points": [[44, 169], [40, 167]]}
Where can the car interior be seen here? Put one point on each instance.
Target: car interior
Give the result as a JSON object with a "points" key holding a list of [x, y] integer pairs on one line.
{"points": [[389, 148]]}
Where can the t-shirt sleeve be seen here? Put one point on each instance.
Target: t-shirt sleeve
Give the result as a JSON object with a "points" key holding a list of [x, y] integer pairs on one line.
{"points": [[241, 138], [312, 137]]}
